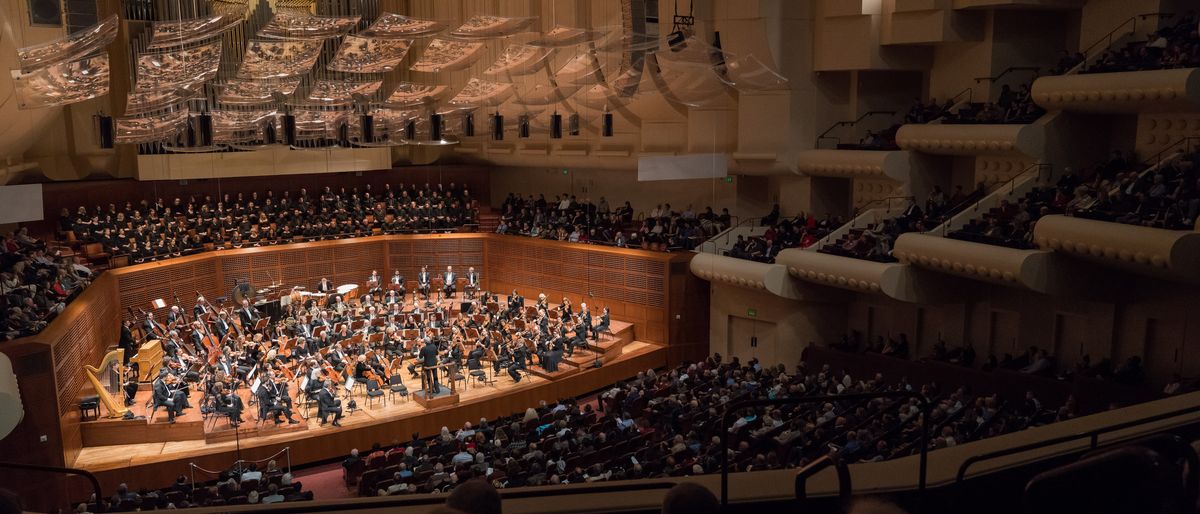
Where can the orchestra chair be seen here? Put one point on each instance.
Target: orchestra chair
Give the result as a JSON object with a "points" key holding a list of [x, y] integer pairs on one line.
{"points": [[373, 391], [476, 371], [396, 386], [456, 374]]}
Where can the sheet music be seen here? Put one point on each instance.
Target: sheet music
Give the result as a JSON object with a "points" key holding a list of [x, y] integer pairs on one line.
{"points": [[254, 387], [304, 384], [350, 384]]}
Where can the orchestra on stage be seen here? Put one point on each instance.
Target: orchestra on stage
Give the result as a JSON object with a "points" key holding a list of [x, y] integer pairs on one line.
{"points": [[326, 344]]}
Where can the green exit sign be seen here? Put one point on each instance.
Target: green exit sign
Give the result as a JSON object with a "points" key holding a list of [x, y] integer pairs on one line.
{"points": [[564, 171], [728, 180], [753, 313]]}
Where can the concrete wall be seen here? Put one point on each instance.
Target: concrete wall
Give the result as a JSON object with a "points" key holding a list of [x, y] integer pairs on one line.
{"points": [[783, 327]]}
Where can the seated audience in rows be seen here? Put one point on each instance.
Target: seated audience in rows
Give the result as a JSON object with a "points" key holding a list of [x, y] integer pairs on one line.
{"points": [[149, 231], [232, 487], [666, 424], [34, 284], [567, 218], [875, 241], [800, 231], [1010, 107], [1176, 45]]}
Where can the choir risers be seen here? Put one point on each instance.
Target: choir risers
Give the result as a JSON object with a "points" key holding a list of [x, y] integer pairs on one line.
{"points": [[895, 280], [758, 276], [1167, 254], [895, 165], [1036, 270], [971, 140], [1121, 93]]}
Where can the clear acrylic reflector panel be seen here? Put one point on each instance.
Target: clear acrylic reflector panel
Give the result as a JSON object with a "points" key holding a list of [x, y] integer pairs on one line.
{"points": [[483, 93], [543, 94], [748, 74], [165, 34], [391, 25], [237, 126], [140, 103], [518, 60], [178, 69], [369, 55], [314, 124], [266, 59], [616, 40], [62, 84], [340, 91], [485, 26], [561, 36], [447, 55], [694, 85], [409, 94], [148, 129], [294, 25], [237, 9], [579, 70], [255, 92], [72, 47]]}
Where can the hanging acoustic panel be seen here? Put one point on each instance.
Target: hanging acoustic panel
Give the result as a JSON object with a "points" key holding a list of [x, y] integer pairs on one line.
{"points": [[70, 48], [255, 92], [149, 129], [391, 25], [177, 69], [518, 60], [561, 36], [166, 34], [266, 59], [447, 55], [486, 27], [294, 25], [62, 84], [341, 92], [483, 93], [369, 55], [408, 94]]}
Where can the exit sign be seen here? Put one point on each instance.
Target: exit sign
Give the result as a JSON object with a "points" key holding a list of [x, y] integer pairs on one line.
{"points": [[564, 171], [753, 313], [728, 180]]}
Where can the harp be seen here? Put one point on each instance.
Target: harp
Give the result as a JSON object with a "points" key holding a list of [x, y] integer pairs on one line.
{"points": [[106, 379]]}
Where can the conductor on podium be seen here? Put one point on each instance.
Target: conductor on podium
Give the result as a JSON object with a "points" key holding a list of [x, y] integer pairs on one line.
{"points": [[429, 359]]}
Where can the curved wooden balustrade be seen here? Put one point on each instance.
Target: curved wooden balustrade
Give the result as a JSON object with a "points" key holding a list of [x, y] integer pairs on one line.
{"points": [[1169, 254], [1037, 270], [772, 278], [896, 280], [855, 163], [969, 139], [1118, 93]]}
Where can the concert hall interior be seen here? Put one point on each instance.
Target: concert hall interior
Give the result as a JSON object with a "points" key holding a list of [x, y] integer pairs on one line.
{"points": [[591, 256]]}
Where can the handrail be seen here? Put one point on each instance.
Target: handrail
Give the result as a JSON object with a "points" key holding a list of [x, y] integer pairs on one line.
{"points": [[1093, 435], [1107, 39], [955, 102], [887, 201], [845, 486], [727, 233], [848, 123], [70, 471], [1157, 159], [1007, 70], [734, 407], [1011, 183]]}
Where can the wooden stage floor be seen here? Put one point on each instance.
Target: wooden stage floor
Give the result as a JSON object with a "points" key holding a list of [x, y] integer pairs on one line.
{"points": [[117, 444]]}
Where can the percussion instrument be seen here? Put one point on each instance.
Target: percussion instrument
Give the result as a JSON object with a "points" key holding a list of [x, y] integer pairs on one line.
{"points": [[348, 291]]}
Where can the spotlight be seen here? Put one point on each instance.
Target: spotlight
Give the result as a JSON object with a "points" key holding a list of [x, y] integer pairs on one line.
{"points": [[344, 134], [206, 128], [608, 125], [367, 122], [269, 132], [435, 127], [104, 127], [498, 127], [556, 126], [289, 129], [410, 130]]}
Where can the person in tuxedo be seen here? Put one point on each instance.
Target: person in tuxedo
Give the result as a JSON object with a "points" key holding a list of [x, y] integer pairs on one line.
{"points": [[273, 400], [167, 396], [130, 385], [324, 286], [398, 284], [248, 315], [175, 316], [429, 359], [328, 403], [200, 310], [127, 342], [222, 326], [423, 281], [450, 282], [472, 282], [602, 326], [374, 283], [152, 328], [229, 404], [520, 355]]}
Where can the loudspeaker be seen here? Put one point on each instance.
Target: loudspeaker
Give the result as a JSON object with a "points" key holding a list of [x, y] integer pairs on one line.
{"points": [[608, 125], [206, 129], [410, 130], [104, 128], [269, 136], [573, 124], [435, 127], [45, 12], [190, 132], [289, 129], [523, 126], [498, 127], [468, 124], [368, 128], [343, 133], [556, 126]]}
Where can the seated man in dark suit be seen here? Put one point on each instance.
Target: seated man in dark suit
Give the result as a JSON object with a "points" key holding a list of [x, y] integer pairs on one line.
{"points": [[328, 404], [167, 396]]}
